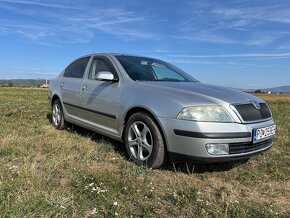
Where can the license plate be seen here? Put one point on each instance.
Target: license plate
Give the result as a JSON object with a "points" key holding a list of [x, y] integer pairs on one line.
{"points": [[263, 133]]}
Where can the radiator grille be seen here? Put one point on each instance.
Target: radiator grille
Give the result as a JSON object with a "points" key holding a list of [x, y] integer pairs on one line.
{"points": [[249, 113]]}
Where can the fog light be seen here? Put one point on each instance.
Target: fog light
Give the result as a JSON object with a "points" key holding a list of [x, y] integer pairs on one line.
{"points": [[217, 149]]}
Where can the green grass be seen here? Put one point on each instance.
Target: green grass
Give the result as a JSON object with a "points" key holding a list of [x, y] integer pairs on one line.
{"points": [[46, 172]]}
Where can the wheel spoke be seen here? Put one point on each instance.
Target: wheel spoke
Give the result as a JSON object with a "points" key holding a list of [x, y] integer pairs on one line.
{"points": [[136, 130], [147, 146], [140, 152], [144, 132], [132, 142]]}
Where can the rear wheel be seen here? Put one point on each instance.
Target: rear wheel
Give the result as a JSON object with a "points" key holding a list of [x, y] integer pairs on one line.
{"points": [[57, 115], [144, 141]]}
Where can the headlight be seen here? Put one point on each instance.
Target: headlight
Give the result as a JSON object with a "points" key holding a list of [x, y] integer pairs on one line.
{"points": [[213, 113]]}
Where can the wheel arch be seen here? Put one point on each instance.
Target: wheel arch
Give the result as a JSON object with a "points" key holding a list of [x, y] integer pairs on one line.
{"points": [[138, 109], [54, 97]]}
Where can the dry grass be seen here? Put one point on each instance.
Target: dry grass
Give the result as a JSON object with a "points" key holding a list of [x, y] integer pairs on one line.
{"points": [[275, 97], [45, 172]]}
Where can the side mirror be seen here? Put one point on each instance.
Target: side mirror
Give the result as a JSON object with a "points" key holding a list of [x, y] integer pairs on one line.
{"points": [[105, 76]]}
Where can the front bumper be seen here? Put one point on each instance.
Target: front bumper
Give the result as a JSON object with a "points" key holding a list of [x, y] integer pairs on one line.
{"points": [[186, 140]]}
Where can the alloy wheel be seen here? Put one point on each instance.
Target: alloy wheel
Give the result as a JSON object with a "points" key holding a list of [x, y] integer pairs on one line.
{"points": [[140, 141]]}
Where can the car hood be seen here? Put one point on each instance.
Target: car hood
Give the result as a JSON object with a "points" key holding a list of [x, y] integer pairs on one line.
{"points": [[216, 93]]}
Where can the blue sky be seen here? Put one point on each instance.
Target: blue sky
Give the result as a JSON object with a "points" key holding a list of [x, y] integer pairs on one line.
{"points": [[237, 43]]}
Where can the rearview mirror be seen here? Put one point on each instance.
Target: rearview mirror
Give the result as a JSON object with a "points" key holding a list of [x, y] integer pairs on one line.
{"points": [[105, 76]]}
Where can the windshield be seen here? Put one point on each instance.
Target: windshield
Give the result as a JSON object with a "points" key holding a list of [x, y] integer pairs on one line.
{"points": [[149, 69]]}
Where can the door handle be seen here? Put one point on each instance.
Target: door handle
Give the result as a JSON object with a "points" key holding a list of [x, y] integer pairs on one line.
{"points": [[61, 85], [84, 88]]}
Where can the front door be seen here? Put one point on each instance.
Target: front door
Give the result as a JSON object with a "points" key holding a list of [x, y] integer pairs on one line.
{"points": [[101, 98]]}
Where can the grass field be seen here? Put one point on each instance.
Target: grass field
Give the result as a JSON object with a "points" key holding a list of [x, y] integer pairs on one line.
{"points": [[46, 172]]}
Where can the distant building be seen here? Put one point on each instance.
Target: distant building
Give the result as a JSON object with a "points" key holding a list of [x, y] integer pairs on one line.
{"points": [[258, 91], [44, 85]]}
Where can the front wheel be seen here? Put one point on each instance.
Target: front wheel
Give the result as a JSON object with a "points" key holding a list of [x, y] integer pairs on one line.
{"points": [[57, 115], [144, 141]]}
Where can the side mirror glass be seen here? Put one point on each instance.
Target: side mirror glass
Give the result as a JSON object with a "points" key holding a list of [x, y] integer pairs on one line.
{"points": [[105, 76]]}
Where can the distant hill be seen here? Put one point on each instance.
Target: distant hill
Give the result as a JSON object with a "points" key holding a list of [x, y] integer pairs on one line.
{"points": [[280, 89], [24, 82]]}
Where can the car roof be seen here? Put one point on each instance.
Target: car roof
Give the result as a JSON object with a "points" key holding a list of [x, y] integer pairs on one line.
{"points": [[117, 54]]}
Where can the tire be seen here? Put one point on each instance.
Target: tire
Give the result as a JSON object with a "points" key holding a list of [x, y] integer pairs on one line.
{"points": [[57, 115], [144, 141]]}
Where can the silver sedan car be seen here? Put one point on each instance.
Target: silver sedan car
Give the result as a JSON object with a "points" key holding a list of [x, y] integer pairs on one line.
{"points": [[158, 111]]}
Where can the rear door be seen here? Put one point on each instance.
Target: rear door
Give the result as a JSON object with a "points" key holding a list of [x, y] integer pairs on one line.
{"points": [[71, 85], [101, 98]]}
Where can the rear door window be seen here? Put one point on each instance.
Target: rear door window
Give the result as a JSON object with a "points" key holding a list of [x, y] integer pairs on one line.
{"points": [[77, 68]]}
